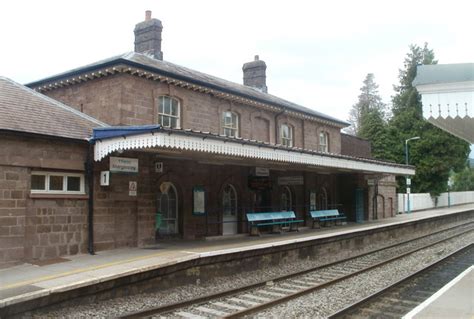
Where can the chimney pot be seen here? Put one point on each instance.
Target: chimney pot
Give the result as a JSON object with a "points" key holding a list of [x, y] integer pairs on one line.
{"points": [[147, 15], [255, 74], [148, 37]]}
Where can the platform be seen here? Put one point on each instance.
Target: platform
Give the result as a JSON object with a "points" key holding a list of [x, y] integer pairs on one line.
{"points": [[454, 300], [30, 281]]}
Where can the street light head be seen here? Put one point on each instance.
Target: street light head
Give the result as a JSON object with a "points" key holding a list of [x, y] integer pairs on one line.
{"points": [[413, 138]]}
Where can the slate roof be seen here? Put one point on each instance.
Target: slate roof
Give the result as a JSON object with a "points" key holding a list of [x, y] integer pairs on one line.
{"points": [[444, 73], [192, 76], [25, 110]]}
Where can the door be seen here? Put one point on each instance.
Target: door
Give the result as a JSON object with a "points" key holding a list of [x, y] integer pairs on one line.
{"points": [[359, 203], [229, 210], [167, 205]]}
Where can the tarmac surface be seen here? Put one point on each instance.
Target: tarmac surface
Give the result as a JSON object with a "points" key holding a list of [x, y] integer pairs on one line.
{"points": [[28, 281], [455, 300]]}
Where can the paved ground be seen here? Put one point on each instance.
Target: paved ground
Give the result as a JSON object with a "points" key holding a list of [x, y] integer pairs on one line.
{"points": [[27, 281]]}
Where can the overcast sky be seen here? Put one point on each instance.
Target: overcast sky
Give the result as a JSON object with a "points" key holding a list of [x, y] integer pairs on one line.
{"points": [[317, 52]]}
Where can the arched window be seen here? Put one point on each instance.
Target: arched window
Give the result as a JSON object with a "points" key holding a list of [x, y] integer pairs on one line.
{"points": [[285, 199], [323, 199], [324, 142], [167, 205], [168, 112], [286, 135], [229, 201], [230, 124]]}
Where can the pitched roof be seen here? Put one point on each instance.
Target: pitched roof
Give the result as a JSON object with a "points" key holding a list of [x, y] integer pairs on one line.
{"points": [[25, 110], [444, 73], [182, 73]]}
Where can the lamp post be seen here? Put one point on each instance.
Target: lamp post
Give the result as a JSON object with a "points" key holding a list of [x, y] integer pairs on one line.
{"points": [[408, 180]]}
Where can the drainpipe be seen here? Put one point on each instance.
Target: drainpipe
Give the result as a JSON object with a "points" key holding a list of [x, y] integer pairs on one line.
{"points": [[89, 165], [276, 125]]}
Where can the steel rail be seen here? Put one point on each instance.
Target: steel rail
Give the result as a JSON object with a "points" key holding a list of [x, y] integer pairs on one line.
{"points": [[162, 310]]}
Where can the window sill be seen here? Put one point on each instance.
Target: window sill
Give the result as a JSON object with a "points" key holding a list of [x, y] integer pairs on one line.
{"points": [[59, 196]]}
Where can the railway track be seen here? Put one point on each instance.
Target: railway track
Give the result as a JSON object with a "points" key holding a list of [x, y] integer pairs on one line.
{"points": [[257, 297], [400, 298]]}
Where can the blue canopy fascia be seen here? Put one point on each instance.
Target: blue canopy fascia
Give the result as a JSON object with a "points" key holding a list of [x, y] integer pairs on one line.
{"points": [[103, 133]]}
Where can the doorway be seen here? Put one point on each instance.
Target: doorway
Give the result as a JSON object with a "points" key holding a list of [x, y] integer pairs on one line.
{"points": [[167, 206], [229, 210]]}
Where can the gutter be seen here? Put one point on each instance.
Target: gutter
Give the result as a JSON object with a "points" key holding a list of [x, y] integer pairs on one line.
{"points": [[89, 166]]}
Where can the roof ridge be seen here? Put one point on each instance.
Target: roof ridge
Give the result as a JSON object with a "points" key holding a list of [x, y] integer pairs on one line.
{"points": [[56, 103]]}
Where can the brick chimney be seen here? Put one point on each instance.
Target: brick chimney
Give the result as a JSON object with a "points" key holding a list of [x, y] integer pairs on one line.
{"points": [[254, 74], [148, 37]]}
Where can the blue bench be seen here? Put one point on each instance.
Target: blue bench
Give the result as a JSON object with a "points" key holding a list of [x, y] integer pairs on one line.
{"points": [[327, 216], [274, 219]]}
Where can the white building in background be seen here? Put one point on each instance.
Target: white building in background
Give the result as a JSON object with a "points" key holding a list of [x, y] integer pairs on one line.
{"points": [[447, 92]]}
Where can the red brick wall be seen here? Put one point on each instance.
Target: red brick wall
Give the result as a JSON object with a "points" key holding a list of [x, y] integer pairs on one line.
{"points": [[38, 228]]}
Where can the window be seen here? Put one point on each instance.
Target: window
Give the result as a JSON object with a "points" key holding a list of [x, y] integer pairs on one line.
{"points": [[286, 134], [57, 183], [168, 112], [323, 142], [285, 199], [230, 124]]}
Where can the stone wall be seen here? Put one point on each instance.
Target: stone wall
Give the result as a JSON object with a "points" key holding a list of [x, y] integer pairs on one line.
{"points": [[355, 146], [124, 99], [34, 226], [122, 220]]}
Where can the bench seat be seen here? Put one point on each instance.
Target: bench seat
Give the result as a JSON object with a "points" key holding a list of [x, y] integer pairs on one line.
{"points": [[279, 219], [326, 216]]}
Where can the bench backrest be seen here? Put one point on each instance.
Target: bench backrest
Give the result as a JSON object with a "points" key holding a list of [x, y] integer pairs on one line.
{"points": [[324, 213], [253, 217]]}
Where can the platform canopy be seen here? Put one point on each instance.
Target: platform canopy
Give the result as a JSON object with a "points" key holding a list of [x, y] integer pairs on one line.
{"points": [[447, 92], [156, 139]]}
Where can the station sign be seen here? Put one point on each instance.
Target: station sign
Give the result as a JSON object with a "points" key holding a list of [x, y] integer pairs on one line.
{"points": [[123, 165], [290, 180], [262, 171], [259, 182], [408, 181]]}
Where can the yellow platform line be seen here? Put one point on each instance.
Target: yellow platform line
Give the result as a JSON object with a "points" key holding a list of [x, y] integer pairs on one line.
{"points": [[77, 271]]}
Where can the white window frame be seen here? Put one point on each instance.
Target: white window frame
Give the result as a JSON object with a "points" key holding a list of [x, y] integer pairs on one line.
{"points": [[232, 127], [64, 190], [286, 141], [324, 147], [161, 115]]}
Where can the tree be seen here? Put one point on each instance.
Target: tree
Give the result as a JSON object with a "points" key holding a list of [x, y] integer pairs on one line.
{"points": [[464, 180], [437, 152], [369, 99], [373, 127]]}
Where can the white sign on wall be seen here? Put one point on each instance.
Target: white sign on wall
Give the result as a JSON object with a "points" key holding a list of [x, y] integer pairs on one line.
{"points": [[123, 165], [159, 167], [262, 171], [104, 178], [132, 188]]}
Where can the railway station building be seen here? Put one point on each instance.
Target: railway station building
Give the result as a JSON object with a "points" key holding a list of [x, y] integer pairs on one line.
{"points": [[133, 149]]}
